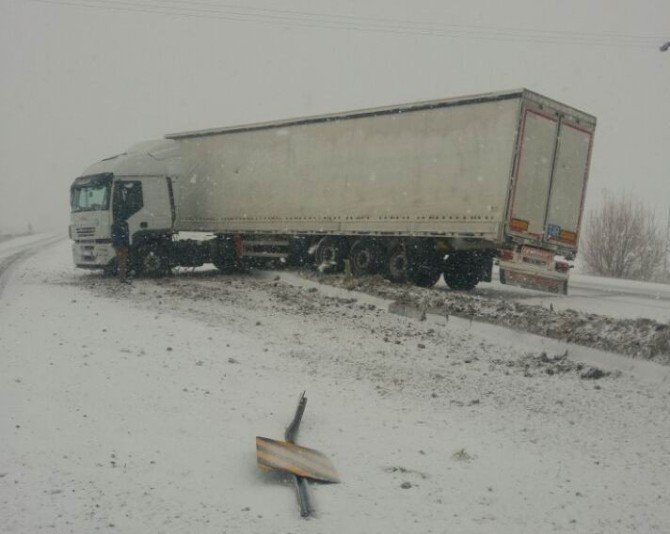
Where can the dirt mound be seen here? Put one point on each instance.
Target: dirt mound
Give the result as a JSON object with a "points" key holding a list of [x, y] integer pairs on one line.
{"points": [[559, 364]]}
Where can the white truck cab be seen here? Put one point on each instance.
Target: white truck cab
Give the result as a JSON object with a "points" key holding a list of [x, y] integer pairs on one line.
{"points": [[135, 187]]}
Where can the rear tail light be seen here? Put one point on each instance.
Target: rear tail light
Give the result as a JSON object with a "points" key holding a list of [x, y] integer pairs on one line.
{"points": [[562, 266], [506, 255]]}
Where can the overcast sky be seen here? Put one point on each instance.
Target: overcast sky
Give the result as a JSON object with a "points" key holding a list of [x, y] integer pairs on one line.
{"points": [[83, 82]]}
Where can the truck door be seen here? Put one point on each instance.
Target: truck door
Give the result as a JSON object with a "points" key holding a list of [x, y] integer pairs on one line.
{"points": [[568, 184], [550, 180], [547, 200], [533, 174], [144, 203]]}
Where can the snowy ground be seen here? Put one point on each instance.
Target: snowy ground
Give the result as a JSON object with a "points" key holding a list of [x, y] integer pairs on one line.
{"points": [[12, 251], [527, 311], [134, 409]]}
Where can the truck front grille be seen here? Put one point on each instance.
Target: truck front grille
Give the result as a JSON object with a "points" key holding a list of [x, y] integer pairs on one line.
{"points": [[86, 231]]}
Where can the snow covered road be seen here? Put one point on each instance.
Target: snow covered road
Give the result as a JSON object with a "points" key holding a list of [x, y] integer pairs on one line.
{"points": [[14, 250], [135, 408]]}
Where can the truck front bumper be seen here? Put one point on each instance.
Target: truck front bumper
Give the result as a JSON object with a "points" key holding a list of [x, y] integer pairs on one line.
{"points": [[92, 255]]}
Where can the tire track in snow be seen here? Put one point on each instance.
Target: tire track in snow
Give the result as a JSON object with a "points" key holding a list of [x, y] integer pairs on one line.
{"points": [[11, 261]]}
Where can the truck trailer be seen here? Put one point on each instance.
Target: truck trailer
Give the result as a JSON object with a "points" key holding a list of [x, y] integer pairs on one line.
{"points": [[413, 192]]}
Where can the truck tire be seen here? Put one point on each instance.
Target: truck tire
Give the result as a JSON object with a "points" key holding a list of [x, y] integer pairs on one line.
{"points": [[414, 262], [150, 260], [425, 263], [461, 272], [330, 254], [425, 278], [397, 265], [365, 257]]}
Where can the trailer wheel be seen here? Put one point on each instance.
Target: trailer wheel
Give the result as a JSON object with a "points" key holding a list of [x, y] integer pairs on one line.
{"points": [[415, 262], [365, 257], [424, 262], [427, 277], [330, 254], [461, 272], [397, 265]]}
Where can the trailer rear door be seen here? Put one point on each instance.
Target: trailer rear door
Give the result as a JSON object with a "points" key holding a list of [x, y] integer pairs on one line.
{"points": [[550, 180], [547, 198], [568, 185], [533, 175]]}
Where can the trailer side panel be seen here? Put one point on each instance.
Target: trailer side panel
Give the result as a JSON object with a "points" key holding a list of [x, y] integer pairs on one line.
{"points": [[437, 171]]}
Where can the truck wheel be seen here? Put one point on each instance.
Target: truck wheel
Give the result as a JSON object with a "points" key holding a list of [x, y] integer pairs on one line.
{"points": [[396, 265], [151, 261], [365, 257], [330, 254], [424, 262], [426, 277], [460, 272], [413, 262]]}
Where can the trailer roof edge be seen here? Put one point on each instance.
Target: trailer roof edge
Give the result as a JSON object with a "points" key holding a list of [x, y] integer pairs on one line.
{"points": [[385, 110]]}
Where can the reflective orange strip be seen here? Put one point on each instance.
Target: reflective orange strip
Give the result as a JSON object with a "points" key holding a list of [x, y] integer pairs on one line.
{"points": [[568, 237], [518, 225]]}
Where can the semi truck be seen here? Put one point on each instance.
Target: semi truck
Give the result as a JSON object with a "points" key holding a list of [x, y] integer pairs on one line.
{"points": [[413, 192]]}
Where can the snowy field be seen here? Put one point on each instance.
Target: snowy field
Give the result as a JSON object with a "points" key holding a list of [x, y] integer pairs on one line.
{"points": [[134, 408]]}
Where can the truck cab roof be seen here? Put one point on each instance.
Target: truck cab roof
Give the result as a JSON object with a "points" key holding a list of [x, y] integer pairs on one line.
{"points": [[158, 157]]}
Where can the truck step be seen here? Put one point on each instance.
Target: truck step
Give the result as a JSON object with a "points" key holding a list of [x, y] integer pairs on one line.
{"points": [[253, 243], [265, 255], [263, 246]]}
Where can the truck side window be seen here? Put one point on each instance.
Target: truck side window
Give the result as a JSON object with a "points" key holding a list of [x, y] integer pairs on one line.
{"points": [[127, 199]]}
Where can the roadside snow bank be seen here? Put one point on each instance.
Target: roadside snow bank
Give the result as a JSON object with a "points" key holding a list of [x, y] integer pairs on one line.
{"points": [[640, 338]]}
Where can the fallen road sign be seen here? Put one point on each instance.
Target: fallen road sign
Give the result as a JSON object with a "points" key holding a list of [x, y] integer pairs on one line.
{"points": [[300, 462], [291, 458]]}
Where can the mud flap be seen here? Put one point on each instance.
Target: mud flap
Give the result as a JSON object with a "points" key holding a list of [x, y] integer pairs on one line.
{"points": [[529, 278]]}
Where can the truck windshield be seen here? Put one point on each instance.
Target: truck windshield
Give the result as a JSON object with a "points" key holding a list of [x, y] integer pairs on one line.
{"points": [[90, 194]]}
